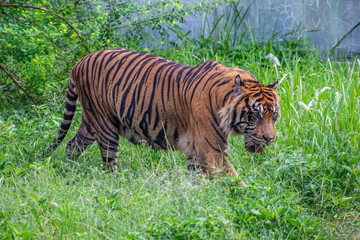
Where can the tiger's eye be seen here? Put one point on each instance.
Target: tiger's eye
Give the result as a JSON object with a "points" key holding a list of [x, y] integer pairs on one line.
{"points": [[275, 116], [256, 114]]}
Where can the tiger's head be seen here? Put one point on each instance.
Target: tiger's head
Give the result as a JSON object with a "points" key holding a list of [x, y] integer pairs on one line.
{"points": [[252, 112]]}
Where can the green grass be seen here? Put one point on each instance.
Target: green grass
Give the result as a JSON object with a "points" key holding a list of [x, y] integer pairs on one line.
{"points": [[305, 186]]}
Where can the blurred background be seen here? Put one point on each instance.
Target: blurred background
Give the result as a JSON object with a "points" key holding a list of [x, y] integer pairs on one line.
{"points": [[324, 22]]}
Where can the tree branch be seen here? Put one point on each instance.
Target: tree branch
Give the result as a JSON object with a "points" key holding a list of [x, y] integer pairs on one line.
{"points": [[128, 25], [47, 10], [136, 23], [18, 84]]}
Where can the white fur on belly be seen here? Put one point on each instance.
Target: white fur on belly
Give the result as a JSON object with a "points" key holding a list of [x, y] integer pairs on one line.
{"points": [[185, 144]]}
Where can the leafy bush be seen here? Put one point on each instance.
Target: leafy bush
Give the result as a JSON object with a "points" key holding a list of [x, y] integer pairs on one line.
{"points": [[41, 40]]}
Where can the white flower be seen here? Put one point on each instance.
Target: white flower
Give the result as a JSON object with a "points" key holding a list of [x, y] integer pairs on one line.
{"points": [[274, 58], [314, 100]]}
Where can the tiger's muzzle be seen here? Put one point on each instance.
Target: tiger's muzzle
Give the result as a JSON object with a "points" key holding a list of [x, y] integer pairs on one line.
{"points": [[254, 144]]}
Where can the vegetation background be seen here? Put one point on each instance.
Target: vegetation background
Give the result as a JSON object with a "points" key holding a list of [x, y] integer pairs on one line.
{"points": [[305, 186]]}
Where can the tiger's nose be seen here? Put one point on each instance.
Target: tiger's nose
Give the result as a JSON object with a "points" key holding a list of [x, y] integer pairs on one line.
{"points": [[268, 139]]}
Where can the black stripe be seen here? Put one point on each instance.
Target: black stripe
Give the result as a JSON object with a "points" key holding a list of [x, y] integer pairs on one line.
{"points": [[111, 57], [169, 66], [65, 126], [70, 91], [223, 83], [108, 71], [251, 81], [108, 159], [71, 98], [156, 122], [247, 104], [208, 69], [214, 148], [70, 108], [107, 147], [68, 117], [227, 96], [214, 75], [175, 135], [70, 85], [219, 133], [60, 137], [259, 100], [257, 94], [235, 113]]}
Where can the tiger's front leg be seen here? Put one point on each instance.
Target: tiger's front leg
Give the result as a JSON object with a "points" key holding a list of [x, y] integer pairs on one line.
{"points": [[211, 157]]}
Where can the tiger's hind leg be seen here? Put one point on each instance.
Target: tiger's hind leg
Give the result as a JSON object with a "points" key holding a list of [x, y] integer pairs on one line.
{"points": [[79, 143], [105, 131]]}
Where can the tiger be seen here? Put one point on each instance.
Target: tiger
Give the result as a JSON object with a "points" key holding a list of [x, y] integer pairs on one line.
{"points": [[167, 105]]}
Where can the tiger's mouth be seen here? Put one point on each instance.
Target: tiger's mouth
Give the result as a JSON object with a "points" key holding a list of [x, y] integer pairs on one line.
{"points": [[255, 148], [253, 145]]}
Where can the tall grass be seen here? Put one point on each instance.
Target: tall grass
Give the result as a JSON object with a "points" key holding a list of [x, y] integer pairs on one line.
{"points": [[305, 186]]}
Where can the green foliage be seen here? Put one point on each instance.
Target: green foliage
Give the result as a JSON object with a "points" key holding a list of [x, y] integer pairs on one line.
{"points": [[41, 40]]}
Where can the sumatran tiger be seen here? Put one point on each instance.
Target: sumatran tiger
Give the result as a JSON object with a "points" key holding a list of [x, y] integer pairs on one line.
{"points": [[146, 98]]}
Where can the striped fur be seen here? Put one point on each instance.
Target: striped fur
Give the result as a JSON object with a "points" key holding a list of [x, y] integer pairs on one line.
{"points": [[145, 98]]}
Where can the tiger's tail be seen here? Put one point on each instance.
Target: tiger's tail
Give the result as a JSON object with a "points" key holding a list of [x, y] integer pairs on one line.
{"points": [[69, 112]]}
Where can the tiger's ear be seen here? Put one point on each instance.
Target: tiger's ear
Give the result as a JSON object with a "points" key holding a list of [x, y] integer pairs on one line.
{"points": [[273, 85], [239, 87]]}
